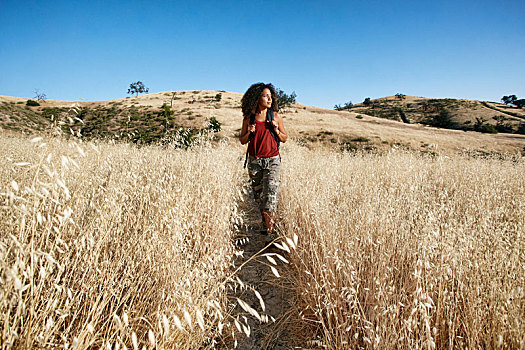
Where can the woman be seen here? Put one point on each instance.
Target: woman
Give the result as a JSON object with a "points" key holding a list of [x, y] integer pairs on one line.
{"points": [[263, 128]]}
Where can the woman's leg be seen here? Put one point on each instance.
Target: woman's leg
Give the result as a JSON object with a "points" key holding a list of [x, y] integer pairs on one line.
{"points": [[255, 172], [270, 191]]}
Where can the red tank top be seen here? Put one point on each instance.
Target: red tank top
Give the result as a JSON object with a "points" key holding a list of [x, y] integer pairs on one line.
{"points": [[263, 145]]}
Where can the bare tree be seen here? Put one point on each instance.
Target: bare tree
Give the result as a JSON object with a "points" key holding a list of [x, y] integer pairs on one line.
{"points": [[40, 96]]}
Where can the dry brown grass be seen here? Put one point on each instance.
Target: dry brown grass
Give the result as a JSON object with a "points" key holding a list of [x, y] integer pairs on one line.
{"points": [[405, 251], [106, 246]]}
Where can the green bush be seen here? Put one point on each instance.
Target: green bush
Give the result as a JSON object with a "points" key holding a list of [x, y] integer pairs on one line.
{"points": [[441, 120], [218, 97], [483, 127], [165, 111], [181, 138], [32, 103], [501, 126], [348, 147], [489, 129], [361, 139], [214, 125]]}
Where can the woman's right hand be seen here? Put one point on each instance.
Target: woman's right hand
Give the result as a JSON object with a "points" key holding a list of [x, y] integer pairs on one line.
{"points": [[251, 128]]}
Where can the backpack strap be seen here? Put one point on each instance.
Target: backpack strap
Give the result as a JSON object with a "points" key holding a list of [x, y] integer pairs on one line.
{"points": [[269, 118], [252, 135]]}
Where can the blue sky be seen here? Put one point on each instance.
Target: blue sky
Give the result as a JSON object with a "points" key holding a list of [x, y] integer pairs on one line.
{"points": [[328, 52]]}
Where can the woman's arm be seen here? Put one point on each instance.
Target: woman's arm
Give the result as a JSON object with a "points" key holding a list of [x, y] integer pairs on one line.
{"points": [[279, 127], [244, 137]]}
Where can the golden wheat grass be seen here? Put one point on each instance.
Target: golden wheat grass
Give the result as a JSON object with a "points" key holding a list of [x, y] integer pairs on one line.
{"points": [[406, 251], [112, 246]]}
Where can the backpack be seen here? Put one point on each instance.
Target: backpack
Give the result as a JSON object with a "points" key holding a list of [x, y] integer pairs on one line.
{"points": [[269, 119]]}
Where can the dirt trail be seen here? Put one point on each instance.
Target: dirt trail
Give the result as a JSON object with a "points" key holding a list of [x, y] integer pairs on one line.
{"points": [[257, 274]]}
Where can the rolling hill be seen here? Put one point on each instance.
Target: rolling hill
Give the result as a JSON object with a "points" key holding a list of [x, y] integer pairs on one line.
{"points": [[377, 127]]}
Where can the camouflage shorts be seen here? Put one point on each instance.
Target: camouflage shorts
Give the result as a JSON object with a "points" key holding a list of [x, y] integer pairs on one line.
{"points": [[264, 176]]}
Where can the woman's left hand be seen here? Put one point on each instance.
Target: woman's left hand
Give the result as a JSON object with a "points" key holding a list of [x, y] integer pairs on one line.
{"points": [[275, 124]]}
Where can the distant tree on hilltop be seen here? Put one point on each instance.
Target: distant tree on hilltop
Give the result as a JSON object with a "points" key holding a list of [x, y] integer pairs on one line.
{"points": [[519, 103], [284, 100], [137, 88], [367, 101], [347, 105], [40, 96], [400, 96], [513, 100], [509, 99]]}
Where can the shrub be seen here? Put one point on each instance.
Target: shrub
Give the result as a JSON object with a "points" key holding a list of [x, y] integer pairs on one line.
{"points": [[32, 103], [214, 125], [400, 96], [483, 127], [348, 147], [501, 126], [166, 111], [442, 120], [218, 97]]}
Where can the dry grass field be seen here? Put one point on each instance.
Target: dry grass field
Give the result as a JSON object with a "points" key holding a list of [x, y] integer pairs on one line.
{"points": [[112, 246], [107, 246], [406, 251]]}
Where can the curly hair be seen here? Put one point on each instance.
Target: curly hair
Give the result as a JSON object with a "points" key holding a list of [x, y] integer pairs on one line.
{"points": [[250, 99]]}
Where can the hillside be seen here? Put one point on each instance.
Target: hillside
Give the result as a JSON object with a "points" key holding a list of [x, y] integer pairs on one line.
{"points": [[447, 113], [143, 119]]}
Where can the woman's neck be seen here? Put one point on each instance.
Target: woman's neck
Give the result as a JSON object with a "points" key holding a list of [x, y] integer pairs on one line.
{"points": [[261, 113]]}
